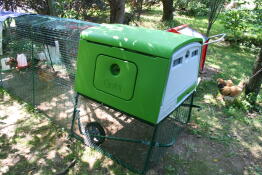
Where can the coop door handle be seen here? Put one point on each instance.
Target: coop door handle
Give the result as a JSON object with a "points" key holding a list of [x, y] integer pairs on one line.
{"points": [[221, 38]]}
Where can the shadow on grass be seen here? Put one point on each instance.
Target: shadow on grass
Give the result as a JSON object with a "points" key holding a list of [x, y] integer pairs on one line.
{"points": [[35, 145]]}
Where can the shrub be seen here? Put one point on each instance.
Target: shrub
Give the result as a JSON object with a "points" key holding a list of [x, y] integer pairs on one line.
{"points": [[192, 8], [235, 22], [243, 26]]}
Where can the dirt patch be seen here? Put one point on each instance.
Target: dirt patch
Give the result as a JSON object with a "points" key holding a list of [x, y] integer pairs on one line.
{"points": [[30, 143], [206, 157], [208, 72], [193, 155]]}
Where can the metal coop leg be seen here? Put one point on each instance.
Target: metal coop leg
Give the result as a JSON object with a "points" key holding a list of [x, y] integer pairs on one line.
{"points": [[149, 153], [190, 108], [74, 114]]}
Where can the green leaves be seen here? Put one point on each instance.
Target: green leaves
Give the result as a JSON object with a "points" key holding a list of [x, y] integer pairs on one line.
{"points": [[235, 21], [243, 25]]}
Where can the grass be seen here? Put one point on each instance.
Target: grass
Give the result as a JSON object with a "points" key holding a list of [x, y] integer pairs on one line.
{"points": [[219, 138], [33, 144], [228, 124]]}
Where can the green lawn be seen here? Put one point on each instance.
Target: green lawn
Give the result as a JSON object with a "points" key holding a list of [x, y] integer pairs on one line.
{"points": [[227, 124]]}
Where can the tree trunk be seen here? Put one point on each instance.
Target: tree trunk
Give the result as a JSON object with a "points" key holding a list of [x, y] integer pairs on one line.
{"points": [[167, 10], [208, 28], [51, 7], [254, 84], [215, 7], [117, 11]]}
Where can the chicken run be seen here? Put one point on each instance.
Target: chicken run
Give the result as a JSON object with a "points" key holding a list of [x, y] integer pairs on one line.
{"points": [[39, 65]]}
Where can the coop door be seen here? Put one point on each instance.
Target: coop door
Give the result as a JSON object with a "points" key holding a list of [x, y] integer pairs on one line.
{"points": [[115, 76], [182, 75]]}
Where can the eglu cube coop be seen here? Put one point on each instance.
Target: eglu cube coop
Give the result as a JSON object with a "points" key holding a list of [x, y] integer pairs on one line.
{"points": [[145, 73], [134, 86]]}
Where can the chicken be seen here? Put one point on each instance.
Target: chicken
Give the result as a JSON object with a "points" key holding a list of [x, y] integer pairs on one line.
{"points": [[12, 63], [222, 83], [46, 76], [228, 89]]}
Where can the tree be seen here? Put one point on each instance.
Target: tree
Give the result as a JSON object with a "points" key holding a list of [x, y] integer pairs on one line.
{"points": [[137, 7], [254, 84], [9, 5], [117, 11], [41, 7], [167, 10], [51, 7], [215, 7], [79, 9]]}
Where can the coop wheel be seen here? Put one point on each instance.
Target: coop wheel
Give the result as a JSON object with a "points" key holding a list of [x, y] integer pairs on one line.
{"points": [[95, 130]]}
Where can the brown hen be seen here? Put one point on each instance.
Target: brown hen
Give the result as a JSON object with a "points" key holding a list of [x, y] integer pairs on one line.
{"points": [[228, 89]]}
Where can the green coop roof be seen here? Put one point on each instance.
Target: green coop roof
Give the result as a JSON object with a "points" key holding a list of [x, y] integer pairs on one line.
{"points": [[148, 41]]}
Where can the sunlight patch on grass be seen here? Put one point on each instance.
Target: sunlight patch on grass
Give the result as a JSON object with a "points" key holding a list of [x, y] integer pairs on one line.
{"points": [[207, 119], [247, 138], [214, 66], [149, 17], [89, 156], [149, 21], [209, 98], [258, 125], [22, 143]]}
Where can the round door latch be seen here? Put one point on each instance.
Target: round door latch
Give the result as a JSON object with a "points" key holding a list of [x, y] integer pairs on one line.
{"points": [[115, 69]]}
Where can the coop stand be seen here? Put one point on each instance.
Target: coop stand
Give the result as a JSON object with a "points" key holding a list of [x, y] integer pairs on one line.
{"points": [[87, 136]]}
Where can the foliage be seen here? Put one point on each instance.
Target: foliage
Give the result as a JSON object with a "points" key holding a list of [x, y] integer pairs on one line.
{"points": [[212, 8], [243, 26], [243, 104], [150, 3], [197, 8], [136, 8], [80, 9], [235, 21], [41, 7], [192, 8]]}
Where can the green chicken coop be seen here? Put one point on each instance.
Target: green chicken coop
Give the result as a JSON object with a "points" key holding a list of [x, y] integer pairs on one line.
{"points": [[126, 91], [145, 73]]}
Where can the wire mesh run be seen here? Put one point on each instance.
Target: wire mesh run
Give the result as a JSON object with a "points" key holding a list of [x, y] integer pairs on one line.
{"points": [[38, 64]]}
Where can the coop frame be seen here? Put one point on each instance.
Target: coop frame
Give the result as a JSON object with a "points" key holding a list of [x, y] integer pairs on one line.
{"points": [[84, 137]]}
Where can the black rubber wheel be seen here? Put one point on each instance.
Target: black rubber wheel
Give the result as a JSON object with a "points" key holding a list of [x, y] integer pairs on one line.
{"points": [[94, 129]]}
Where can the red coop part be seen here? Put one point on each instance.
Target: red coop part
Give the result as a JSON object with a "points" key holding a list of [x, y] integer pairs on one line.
{"points": [[186, 30]]}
